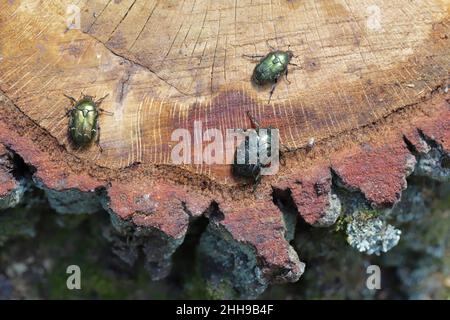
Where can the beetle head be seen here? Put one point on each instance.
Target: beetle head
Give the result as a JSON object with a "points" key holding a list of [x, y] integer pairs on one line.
{"points": [[255, 80], [290, 54]]}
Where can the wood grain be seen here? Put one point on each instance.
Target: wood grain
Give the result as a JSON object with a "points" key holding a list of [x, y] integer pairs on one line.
{"points": [[168, 63]]}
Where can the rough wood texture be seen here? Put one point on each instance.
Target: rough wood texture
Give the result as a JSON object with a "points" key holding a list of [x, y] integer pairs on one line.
{"points": [[373, 95]]}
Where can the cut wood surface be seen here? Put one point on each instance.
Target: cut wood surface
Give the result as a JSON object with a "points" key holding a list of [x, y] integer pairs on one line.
{"points": [[370, 87], [168, 63]]}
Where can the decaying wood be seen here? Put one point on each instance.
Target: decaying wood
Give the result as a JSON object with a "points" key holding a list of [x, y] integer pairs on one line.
{"points": [[372, 94], [7, 181]]}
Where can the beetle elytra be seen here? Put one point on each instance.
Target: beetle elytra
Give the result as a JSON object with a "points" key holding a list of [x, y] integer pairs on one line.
{"points": [[83, 120], [271, 67]]}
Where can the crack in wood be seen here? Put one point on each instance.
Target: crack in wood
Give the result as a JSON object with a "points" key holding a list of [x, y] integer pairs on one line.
{"points": [[132, 61]]}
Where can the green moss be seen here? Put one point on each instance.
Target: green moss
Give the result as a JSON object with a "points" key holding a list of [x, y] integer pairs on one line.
{"points": [[17, 222], [70, 221], [103, 275], [94, 284], [365, 215], [199, 288], [87, 248], [333, 271], [341, 223], [369, 214], [328, 260]]}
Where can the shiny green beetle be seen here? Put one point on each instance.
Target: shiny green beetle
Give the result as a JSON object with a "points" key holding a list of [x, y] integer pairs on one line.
{"points": [[271, 67], [83, 120]]}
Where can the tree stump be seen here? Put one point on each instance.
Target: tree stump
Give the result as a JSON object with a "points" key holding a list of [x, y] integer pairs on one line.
{"points": [[371, 89]]}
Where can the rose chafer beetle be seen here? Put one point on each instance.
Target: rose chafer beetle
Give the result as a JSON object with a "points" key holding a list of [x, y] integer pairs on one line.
{"points": [[271, 67], [242, 167], [83, 120]]}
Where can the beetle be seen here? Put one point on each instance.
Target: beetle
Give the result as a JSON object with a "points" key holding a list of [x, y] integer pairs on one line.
{"points": [[243, 167], [271, 67], [83, 120]]}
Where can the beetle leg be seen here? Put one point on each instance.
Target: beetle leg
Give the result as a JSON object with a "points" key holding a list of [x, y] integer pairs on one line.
{"points": [[286, 148], [97, 141], [282, 159], [285, 75], [253, 56], [272, 90], [99, 101], [67, 112], [72, 100], [282, 152], [106, 112], [256, 182], [253, 120]]}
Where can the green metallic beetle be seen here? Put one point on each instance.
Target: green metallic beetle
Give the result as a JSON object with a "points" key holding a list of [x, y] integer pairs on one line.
{"points": [[83, 120], [271, 67], [243, 167]]}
